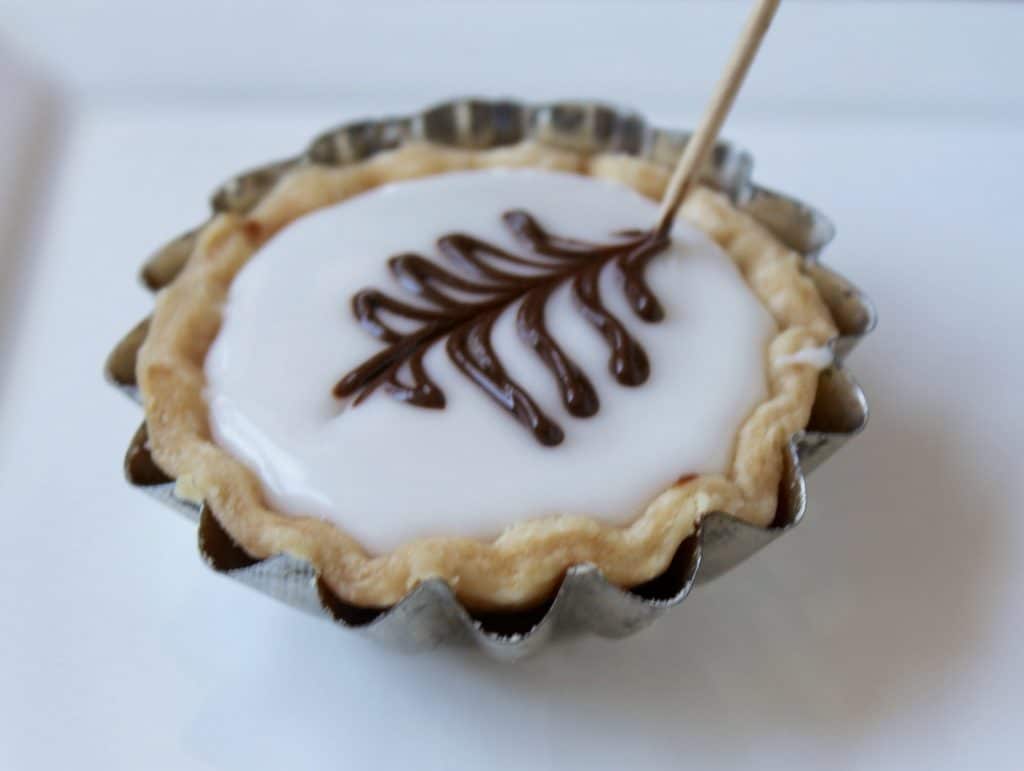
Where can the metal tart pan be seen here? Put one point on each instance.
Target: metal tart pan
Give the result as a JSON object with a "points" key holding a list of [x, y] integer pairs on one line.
{"points": [[585, 602]]}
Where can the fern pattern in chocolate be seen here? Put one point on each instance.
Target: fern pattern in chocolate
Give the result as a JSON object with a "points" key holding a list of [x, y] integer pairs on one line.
{"points": [[461, 303]]}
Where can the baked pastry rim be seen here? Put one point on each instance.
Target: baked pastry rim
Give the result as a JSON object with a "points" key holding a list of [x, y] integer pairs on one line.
{"points": [[525, 564]]}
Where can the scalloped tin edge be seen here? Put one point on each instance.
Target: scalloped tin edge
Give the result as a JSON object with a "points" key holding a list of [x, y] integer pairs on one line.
{"points": [[431, 614]]}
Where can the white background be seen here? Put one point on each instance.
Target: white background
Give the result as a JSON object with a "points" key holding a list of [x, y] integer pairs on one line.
{"points": [[883, 633]]}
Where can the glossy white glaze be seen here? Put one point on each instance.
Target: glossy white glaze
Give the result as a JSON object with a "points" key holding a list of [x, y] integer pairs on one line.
{"points": [[819, 358], [388, 472]]}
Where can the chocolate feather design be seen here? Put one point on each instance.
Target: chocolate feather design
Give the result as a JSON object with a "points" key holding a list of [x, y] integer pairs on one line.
{"points": [[463, 303]]}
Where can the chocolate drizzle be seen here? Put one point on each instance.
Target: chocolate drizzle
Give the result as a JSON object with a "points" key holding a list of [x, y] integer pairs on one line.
{"points": [[463, 307]]}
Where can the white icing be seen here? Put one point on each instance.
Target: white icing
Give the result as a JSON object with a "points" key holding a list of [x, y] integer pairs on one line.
{"points": [[388, 472], [819, 358]]}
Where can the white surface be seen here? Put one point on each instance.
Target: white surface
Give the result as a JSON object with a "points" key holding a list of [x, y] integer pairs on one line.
{"points": [[821, 57], [883, 633], [27, 129], [387, 472]]}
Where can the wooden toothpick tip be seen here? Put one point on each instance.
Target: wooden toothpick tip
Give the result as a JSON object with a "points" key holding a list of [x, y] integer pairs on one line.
{"points": [[691, 162]]}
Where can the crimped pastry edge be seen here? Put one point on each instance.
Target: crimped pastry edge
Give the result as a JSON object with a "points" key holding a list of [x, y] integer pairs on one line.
{"points": [[527, 561]]}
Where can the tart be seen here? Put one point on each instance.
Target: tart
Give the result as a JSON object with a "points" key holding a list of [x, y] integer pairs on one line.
{"points": [[479, 365]]}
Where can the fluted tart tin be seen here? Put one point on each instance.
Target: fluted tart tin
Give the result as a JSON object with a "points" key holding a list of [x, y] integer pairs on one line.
{"points": [[585, 602]]}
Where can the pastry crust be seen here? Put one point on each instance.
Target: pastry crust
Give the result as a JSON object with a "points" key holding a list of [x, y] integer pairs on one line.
{"points": [[525, 564]]}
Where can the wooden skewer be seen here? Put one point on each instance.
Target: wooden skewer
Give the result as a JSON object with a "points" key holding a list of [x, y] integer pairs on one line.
{"points": [[691, 162]]}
